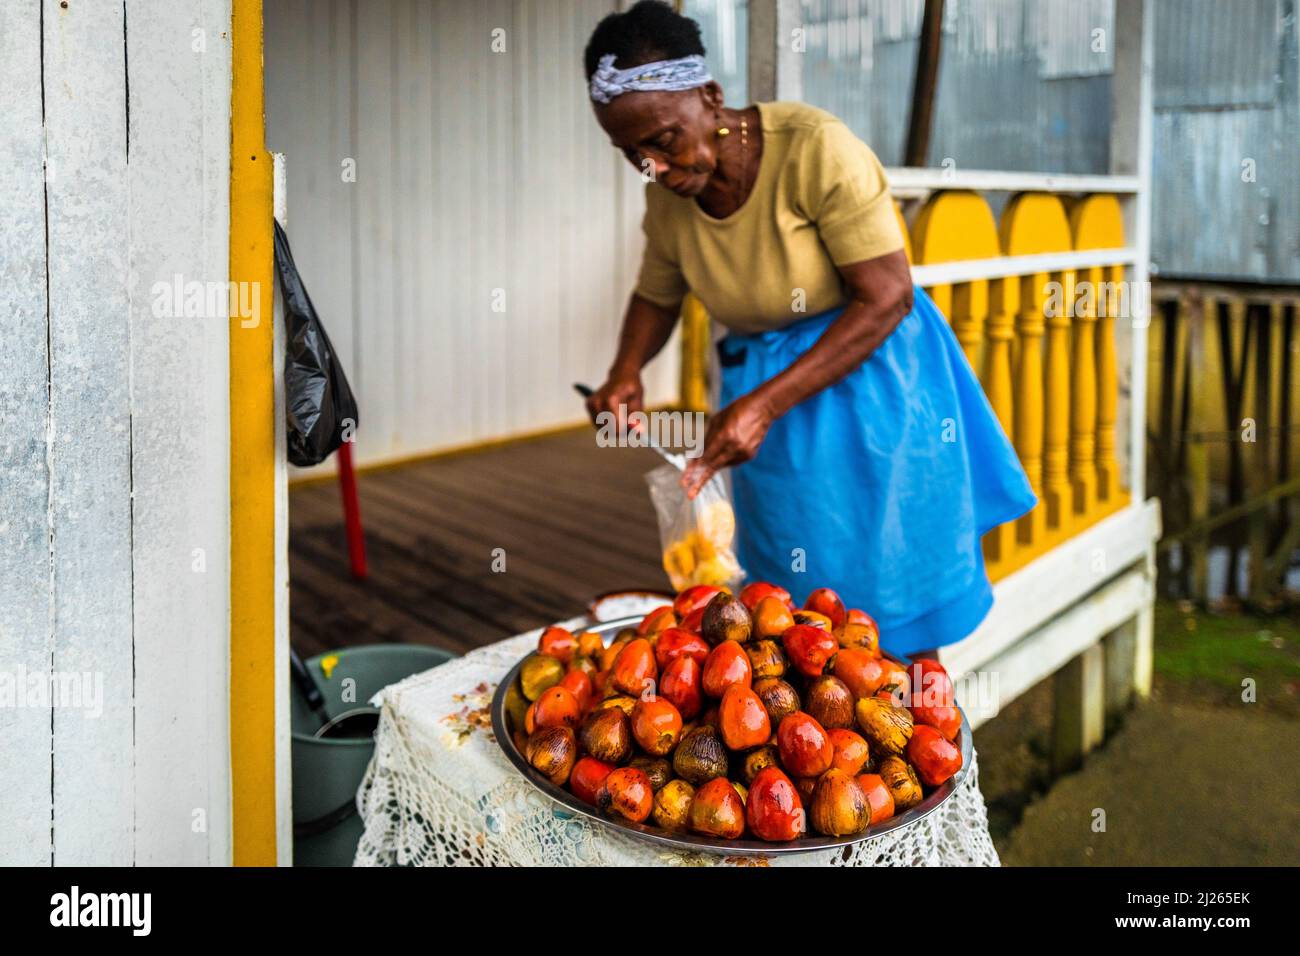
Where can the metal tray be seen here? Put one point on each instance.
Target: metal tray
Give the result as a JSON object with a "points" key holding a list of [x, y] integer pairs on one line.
{"points": [[502, 729]]}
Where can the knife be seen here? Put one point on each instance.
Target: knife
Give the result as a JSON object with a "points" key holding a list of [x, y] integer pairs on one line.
{"points": [[677, 461]]}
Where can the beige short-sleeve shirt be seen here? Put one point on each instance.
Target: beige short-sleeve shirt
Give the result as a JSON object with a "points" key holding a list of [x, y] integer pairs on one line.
{"points": [[821, 200]]}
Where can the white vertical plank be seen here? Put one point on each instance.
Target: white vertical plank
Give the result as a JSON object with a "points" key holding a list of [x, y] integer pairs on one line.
{"points": [[593, 169], [1131, 144], [323, 230], [444, 328], [435, 387], [283, 729], [26, 640], [580, 199], [498, 257], [408, 66], [468, 169], [85, 116], [447, 326], [528, 251], [514, 349], [338, 201], [376, 254], [467, 299], [179, 225]]}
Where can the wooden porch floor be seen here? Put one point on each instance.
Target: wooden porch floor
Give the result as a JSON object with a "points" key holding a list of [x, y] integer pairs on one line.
{"points": [[573, 519]]}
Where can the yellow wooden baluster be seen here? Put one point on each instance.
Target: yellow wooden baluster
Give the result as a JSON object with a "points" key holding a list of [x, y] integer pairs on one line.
{"points": [[1109, 493], [1056, 440], [1003, 305], [1033, 223], [1029, 401], [959, 225], [1083, 397], [1004, 302], [1096, 222]]}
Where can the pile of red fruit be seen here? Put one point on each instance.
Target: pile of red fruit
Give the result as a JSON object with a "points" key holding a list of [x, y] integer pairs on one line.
{"points": [[724, 715]]}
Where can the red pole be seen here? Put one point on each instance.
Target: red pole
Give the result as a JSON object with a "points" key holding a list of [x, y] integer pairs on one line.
{"points": [[352, 512]]}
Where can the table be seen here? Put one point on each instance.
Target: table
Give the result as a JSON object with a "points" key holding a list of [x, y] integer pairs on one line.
{"points": [[440, 792]]}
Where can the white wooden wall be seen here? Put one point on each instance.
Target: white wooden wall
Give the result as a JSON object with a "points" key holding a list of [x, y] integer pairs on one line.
{"points": [[26, 635], [114, 477], [475, 172]]}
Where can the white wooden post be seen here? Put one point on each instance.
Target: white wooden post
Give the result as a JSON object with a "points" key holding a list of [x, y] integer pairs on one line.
{"points": [[1079, 722], [283, 732], [115, 482], [1144, 638], [26, 641], [1130, 155], [775, 55], [179, 193], [1121, 655], [89, 452]]}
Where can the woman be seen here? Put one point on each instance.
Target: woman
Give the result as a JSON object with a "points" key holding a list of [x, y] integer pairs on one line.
{"points": [[866, 457]]}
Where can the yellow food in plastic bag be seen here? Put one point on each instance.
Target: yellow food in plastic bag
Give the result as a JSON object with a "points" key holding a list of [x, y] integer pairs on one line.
{"points": [[704, 555], [679, 562]]}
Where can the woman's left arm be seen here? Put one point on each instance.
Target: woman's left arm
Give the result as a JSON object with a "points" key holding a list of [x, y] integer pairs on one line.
{"points": [[880, 292]]}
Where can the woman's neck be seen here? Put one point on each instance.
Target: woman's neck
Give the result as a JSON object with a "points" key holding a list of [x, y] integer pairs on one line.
{"points": [[738, 162]]}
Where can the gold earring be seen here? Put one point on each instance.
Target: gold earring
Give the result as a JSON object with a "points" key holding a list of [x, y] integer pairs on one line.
{"points": [[723, 131]]}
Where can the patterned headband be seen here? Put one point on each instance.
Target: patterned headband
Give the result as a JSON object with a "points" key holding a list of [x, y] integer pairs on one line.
{"points": [[667, 75]]}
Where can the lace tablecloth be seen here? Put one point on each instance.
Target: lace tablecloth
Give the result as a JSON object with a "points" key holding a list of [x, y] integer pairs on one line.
{"points": [[440, 792]]}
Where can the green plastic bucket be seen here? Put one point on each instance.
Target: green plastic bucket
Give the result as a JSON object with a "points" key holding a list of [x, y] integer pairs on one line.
{"points": [[332, 748]]}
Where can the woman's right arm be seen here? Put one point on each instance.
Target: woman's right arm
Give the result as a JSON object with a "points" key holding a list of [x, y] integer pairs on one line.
{"points": [[646, 327]]}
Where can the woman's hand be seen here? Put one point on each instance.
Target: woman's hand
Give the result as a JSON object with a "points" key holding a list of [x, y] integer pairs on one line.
{"points": [[621, 388], [734, 435]]}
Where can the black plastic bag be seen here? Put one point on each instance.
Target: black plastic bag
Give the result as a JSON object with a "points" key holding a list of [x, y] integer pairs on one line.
{"points": [[319, 402]]}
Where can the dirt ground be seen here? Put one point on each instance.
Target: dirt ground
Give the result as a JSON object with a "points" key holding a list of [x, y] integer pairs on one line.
{"points": [[1194, 776], [1179, 786]]}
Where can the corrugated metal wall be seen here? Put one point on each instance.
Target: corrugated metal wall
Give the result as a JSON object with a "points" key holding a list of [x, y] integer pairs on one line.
{"points": [[1226, 182], [1020, 83], [1210, 54], [481, 260]]}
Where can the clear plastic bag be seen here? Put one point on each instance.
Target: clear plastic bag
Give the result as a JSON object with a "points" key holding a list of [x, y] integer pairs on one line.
{"points": [[696, 535]]}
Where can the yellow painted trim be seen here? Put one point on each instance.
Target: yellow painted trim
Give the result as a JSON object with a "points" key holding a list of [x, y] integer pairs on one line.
{"points": [[252, 459]]}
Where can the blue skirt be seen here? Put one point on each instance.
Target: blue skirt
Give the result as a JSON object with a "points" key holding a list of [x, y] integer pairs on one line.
{"points": [[881, 485]]}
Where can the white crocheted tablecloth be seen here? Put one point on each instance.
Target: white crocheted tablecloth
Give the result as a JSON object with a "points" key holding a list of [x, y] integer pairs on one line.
{"points": [[440, 792]]}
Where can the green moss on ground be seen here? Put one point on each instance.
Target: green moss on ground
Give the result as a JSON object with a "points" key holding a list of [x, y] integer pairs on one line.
{"points": [[1199, 654]]}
